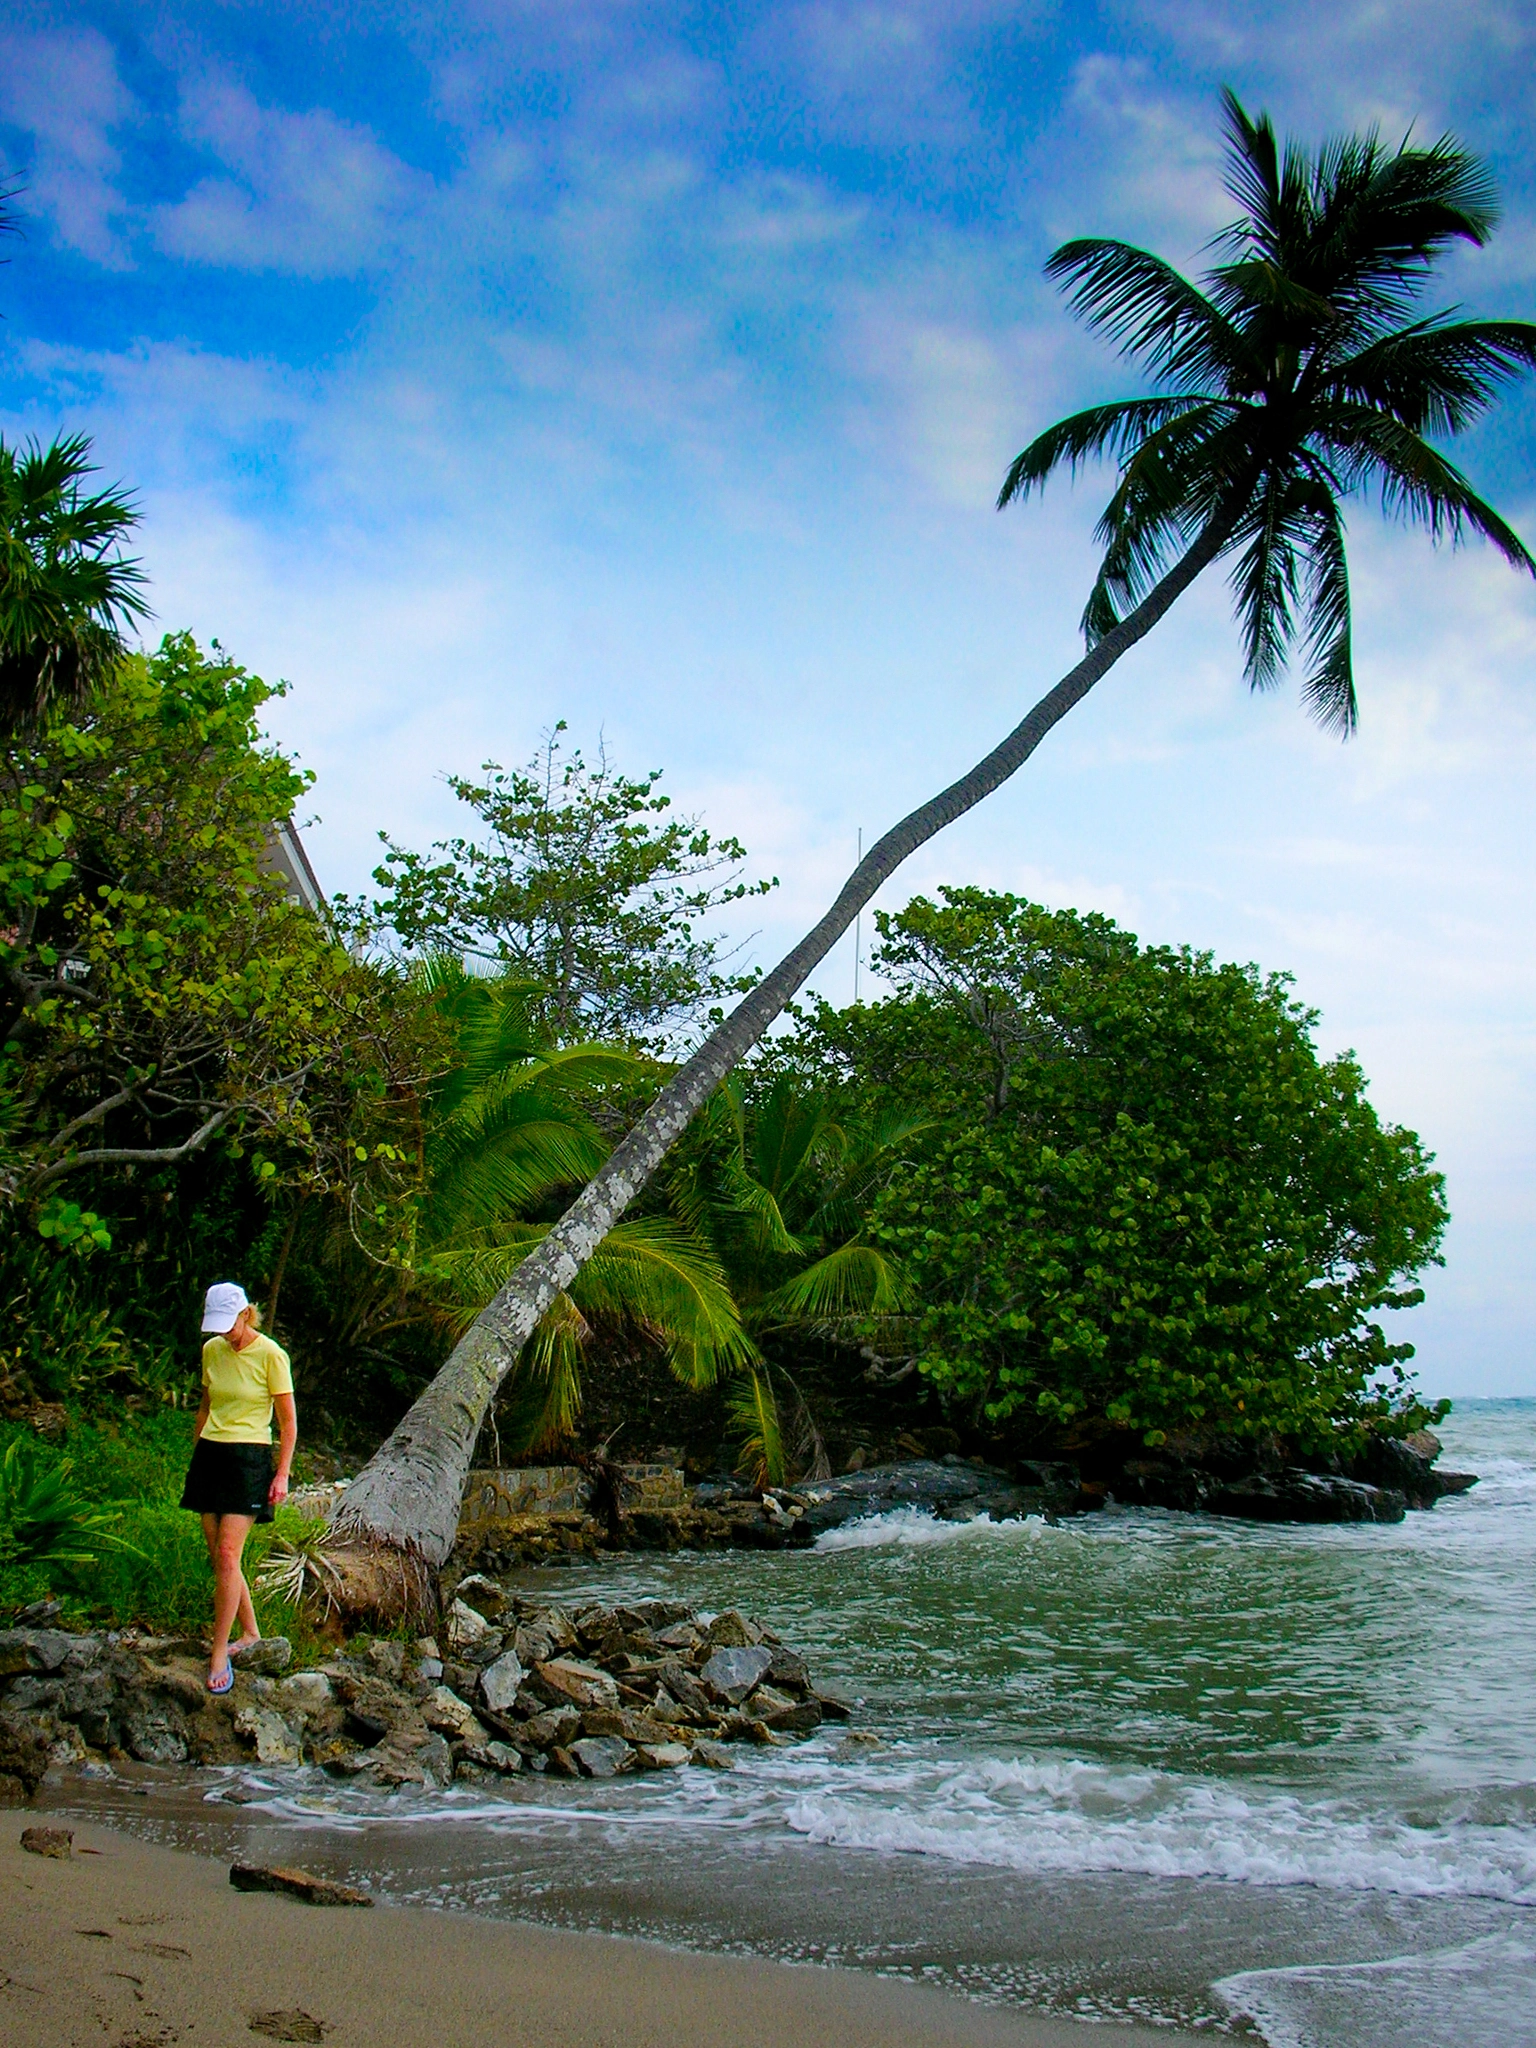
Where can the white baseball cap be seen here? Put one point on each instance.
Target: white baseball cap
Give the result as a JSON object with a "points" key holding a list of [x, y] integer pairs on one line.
{"points": [[223, 1306]]}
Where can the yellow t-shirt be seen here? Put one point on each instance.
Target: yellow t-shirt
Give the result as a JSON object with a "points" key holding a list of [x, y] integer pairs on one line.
{"points": [[240, 1387]]}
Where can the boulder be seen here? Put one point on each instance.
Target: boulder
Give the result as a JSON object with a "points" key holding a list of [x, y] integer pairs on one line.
{"points": [[412, 1756], [465, 1627], [275, 1741], [729, 1675], [305, 1694], [451, 1716], [32, 1649], [661, 1756], [1296, 1496], [545, 1634], [556, 1729], [714, 1756], [500, 1681], [732, 1631], [1401, 1464], [373, 1705], [484, 1595], [949, 1488], [564, 1681], [154, 1731], [602, 1756], [268, 1658]]}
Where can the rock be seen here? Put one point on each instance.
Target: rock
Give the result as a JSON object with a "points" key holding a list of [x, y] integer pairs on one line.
{"points": [[154, 1731], [547, 1633], [1297, 1496], [449, 1715], [387, 1659], [556, 1729], [952, 1491], [412, 1756], [562, 1764], [499, 1758], [633, 1727], [832, 1704], [681, 1635], [788, 1668], [499, 1682], [602, 1756], [731, 1674], [465, 1627], [296, 1884], [732, 1631], [306, 1694], [374, 1705], [484, 1595], [268, 1658], [1398, 1463], [32, 1649], [276, 1742], [693, 1701], [47, 1842], [661, 1756], [713, 1756], [566, 1682]]}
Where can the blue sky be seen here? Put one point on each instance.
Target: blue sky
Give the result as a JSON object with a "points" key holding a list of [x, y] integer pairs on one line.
{"points": [[656, 368]]}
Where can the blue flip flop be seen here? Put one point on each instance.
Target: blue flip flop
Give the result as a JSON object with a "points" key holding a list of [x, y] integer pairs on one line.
{"points": [[214, 1685]]}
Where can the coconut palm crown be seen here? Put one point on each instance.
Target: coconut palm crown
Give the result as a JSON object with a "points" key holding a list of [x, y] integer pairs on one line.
{"points": [[1295, 379], [68, 595]]}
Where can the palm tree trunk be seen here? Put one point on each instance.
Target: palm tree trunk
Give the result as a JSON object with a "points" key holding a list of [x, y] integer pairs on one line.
{"points": [[408, 1496]]}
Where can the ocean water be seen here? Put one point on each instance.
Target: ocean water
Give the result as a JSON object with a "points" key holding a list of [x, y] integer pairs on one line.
{"points": [[1270, 1781]]}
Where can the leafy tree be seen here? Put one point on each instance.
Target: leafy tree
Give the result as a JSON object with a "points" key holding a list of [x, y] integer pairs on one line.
{"points": [[68, 594], [584, 885], [1298, 377], [1179, 1217], [159, 993]]}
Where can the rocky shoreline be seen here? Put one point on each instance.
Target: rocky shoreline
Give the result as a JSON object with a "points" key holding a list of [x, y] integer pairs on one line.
{"points": [[517, 1685], [519, 1516]]}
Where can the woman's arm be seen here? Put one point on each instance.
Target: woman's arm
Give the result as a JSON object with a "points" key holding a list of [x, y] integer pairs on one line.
{"points": [[202, 1415], [288, 1435]]}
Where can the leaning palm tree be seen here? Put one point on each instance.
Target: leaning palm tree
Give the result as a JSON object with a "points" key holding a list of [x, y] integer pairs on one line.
{"points": [[1299, 375], [68, 595]]}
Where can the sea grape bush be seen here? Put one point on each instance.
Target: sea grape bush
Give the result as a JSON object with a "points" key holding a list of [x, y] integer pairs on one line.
{"points": [[1153, 1204]]}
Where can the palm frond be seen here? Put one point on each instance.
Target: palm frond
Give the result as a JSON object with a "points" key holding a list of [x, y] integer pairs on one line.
{"points": [[1437, 376], [1103, 430], [854, 1280], [1416, 481], [755, 1415], [1150, 311], [1329, 690]]}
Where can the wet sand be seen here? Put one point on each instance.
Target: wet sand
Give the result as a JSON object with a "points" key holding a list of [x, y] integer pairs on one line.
{"points": [[137, 1946]]}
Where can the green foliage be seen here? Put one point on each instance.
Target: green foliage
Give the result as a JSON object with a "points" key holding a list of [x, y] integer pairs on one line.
{"points": [[129, 1553], [46, 1523], [159, 993], [510, 1124], [583, 885], [67, 593], [1176, 1215], [1295, 379]]}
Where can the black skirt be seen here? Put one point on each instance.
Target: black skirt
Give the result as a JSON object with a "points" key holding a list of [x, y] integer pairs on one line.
{"points": [[229, 1479]]}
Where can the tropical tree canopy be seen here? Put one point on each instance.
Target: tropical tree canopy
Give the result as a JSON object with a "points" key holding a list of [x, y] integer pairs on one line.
{"points": [[1295, 379], [583, 884], [1179, 1217], [68, 595]]}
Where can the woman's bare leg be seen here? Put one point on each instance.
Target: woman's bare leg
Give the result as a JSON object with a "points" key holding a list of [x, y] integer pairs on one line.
{"points": [[229, 1585]]}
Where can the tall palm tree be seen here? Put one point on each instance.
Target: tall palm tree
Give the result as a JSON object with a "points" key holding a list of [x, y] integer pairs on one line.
{"points": [[68, 595], [1298, 376]]}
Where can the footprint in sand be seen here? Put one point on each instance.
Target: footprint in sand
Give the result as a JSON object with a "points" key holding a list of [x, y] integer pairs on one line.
{"points": [[290, 2026]]}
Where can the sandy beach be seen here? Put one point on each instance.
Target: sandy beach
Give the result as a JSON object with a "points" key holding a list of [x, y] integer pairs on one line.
{"points": [[143, 1947]]}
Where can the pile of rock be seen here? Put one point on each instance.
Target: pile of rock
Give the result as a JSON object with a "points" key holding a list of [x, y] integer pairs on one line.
{"points": [[519, 1685]]}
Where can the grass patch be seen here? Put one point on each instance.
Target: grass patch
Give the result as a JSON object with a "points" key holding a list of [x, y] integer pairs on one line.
{"points": [[164, 1581]]}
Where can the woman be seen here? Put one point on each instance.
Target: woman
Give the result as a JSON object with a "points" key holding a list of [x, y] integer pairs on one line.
{"points": [[232, 1483]]}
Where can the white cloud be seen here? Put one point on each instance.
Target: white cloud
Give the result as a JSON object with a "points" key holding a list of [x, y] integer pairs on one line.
{"points": [[310, 194], [64, 92]]}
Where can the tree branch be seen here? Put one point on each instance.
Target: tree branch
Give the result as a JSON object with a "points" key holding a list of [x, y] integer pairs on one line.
{"points": [[129, 1155]]}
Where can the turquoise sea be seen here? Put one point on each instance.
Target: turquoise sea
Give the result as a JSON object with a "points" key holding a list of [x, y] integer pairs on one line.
{"points": [[1260, 1780]]}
